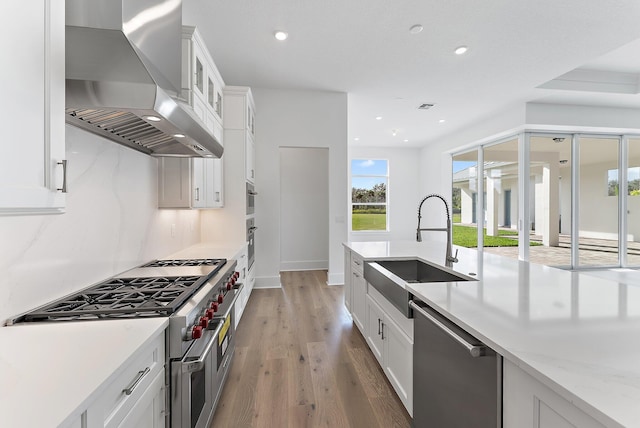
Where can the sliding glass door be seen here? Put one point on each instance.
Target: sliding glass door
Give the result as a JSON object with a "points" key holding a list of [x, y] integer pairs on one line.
{"points": [[599, 184]]}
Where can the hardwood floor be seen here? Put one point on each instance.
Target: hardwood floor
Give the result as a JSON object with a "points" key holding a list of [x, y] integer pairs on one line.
{"points": [[300, 362]]}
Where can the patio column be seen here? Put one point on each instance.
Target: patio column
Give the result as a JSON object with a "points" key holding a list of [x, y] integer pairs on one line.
{"points": [[493, 187], [547, 205]]}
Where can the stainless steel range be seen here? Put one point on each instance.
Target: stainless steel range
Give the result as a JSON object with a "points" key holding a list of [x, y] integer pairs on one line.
{"points": [[198, 295]]}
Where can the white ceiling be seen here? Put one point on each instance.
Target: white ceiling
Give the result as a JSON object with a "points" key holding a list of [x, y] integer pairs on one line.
{"points": [[364, 48]]}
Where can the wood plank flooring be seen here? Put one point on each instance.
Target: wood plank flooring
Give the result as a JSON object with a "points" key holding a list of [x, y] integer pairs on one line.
{"points": [[301, 363]]}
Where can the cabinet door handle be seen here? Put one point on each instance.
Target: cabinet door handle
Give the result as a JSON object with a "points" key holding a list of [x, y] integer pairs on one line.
{"points": [[63, 189], [136, 381], [217, 196], [382, 331], [197, 193], [379, 326]]}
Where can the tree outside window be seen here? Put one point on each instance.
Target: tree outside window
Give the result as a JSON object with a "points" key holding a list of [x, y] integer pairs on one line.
{"points": [[369, 180], [633, 182]]}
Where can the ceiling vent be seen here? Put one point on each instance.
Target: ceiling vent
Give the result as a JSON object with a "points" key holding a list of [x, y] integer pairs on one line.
{"points": [[425, 106]]}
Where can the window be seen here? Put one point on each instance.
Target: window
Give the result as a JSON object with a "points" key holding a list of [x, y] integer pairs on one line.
{"points": [[369, 180], [633, 182]]}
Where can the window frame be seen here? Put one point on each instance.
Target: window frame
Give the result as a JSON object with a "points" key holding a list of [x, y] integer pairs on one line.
{"points": [[385, 204]]}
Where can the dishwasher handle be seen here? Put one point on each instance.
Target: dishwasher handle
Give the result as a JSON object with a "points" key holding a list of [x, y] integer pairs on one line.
{"points": [[475, 350]]}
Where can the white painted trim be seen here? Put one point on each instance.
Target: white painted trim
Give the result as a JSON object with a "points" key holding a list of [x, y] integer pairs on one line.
{"points": [[304, 265], [335, 279], [268, 282]]}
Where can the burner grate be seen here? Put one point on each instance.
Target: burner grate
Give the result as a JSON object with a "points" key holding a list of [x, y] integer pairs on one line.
{"points": [[122, 298]]}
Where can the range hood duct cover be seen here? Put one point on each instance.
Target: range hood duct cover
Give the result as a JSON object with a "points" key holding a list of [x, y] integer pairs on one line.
{"points": [[123, 67]]}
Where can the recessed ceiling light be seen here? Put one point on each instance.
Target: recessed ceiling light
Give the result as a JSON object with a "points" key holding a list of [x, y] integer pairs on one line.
{"points": [[178, 135], [415, 29], [406, 141], [378, 117], [357, 139], [281, 35], [394, 132], [442, 121], [461, 50], [153, 118]]}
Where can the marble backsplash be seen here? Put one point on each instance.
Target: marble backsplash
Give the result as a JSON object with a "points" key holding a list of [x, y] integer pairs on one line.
{"points": [[111, 224]]}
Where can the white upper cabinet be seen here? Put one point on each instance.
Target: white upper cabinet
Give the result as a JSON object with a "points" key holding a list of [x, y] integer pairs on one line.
{"points": [[190, 183], [32, 152], [202, 84], [240, 116]]}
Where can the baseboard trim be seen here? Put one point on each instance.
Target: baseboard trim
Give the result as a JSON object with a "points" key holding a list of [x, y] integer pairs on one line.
{"points": [[335, 278], [304, 265], [268, 282]]}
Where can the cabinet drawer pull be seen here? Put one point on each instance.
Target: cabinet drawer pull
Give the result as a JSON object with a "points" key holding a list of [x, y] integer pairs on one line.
{"points": [[356, 275], [136, 381], [63, 189], [382, 331], [356, 262]]}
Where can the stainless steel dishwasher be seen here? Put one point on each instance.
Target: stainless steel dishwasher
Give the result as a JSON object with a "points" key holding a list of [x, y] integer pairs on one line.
{"points": [[457, 380]]}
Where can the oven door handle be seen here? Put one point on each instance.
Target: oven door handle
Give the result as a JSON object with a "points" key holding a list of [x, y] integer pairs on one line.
{"points": [[194, 364]]}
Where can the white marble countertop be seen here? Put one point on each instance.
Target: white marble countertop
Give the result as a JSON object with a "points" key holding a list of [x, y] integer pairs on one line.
{"points": [[578, 333], [229, 250], [50, 370]]}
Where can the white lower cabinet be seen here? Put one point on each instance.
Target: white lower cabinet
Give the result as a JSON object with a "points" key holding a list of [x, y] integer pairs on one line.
{"points": [[149, 409], [393, 350], [359, 303], [134, 396], [527, 403], [347, 280]]}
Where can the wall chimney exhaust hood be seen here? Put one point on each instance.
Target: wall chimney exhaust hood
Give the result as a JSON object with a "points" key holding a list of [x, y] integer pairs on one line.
{"points": [[123, 77]]}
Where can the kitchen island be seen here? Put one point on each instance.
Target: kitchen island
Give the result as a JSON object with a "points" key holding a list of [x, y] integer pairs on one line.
{"points": [[569, 339]]}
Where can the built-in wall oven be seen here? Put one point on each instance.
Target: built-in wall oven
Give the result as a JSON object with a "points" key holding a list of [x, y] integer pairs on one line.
{"points": [[251, 229], [251, 196]]}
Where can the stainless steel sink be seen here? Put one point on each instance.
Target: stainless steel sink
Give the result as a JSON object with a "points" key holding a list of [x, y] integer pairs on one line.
{"points": [[390, 277], [419, 271]]}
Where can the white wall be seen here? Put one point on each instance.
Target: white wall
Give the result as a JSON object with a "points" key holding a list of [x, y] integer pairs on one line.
{"points": [[304, 208], [403, 192], [111, 224], [298, 119]]}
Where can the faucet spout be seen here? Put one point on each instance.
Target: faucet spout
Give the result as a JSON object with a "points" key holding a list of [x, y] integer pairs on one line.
{"points": [[450, 259]]}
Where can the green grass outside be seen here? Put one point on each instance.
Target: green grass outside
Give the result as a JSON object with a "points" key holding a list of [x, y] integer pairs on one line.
{"points": [[467, 236], [456, 218], [369, 221]]}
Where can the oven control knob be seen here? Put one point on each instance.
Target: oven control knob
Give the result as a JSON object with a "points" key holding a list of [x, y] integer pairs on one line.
{"points": [[220, 298], [236, 275], [233, 280], [196, 332], [204, 322], [210, 313], [214, 306], [229, 285]]}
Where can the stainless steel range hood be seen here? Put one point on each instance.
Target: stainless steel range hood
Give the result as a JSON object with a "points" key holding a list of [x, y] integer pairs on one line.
{"points": [[123, 77]]}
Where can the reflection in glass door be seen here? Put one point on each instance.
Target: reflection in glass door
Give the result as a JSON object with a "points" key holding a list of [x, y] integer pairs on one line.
{"points": [[633, 202], [598, 202], [463, 199], [550, 171]]}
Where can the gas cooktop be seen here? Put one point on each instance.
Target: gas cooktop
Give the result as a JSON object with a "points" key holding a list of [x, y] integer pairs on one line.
{"points": [[147, 291]]}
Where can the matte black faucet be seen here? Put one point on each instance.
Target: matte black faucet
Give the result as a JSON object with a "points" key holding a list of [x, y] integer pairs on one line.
{"points": [[449, 258]]}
